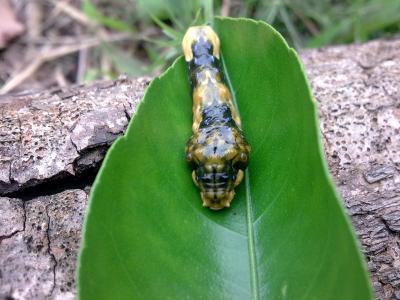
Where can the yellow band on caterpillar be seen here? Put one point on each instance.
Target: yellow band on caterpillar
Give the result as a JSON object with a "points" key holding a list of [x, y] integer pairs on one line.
{"points": [[193, 34]]}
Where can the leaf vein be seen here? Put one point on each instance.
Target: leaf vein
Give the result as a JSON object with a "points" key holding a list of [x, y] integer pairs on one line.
{"points": [[249, 208]]}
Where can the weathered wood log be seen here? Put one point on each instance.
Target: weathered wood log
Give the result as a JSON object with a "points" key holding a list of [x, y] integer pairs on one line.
{"points": [[51, 144]]}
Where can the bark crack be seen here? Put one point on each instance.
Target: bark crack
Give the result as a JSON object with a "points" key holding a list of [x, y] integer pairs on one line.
{"points": [[55, 186], [51, 254], [127, 115], [75, 146], [387, 226], [8, 236]]}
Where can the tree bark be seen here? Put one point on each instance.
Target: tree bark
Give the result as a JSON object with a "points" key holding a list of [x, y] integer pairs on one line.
{"points": [[52, 143]]}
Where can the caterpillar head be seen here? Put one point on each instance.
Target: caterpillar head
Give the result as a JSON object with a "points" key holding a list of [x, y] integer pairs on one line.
{"points": [[217, 177], [203, 37]]}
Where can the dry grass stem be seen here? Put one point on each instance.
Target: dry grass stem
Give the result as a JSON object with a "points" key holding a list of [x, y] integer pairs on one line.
{"points": [[54, 53]]}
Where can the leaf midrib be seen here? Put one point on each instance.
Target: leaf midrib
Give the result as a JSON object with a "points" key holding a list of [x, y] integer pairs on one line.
{"points": [[249, 207]]}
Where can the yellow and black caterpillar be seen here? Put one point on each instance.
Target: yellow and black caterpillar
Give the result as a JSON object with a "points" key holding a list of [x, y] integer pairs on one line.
{"points": [[217, 151]]}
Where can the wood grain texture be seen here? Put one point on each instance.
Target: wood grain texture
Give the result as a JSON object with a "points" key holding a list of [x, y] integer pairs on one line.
{"points": [[51, 143]]}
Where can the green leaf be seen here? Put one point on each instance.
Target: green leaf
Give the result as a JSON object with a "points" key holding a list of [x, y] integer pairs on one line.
{"points": [[330, 34], [208, 6], [91, 11], [123, 62], [180, 12], [168, 30], [285, 236]]}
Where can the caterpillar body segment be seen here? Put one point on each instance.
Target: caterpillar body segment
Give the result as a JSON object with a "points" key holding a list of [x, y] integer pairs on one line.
{"points": [[217, 151]]}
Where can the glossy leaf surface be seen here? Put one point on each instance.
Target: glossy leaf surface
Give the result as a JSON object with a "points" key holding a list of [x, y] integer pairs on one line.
{"points": [[285, 235]]}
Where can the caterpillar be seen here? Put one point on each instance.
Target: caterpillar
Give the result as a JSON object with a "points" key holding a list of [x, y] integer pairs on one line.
{"points": [[217, 152]]}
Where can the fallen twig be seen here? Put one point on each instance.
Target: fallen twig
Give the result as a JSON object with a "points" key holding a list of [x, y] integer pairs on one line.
{"points": [[54, 53]]}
